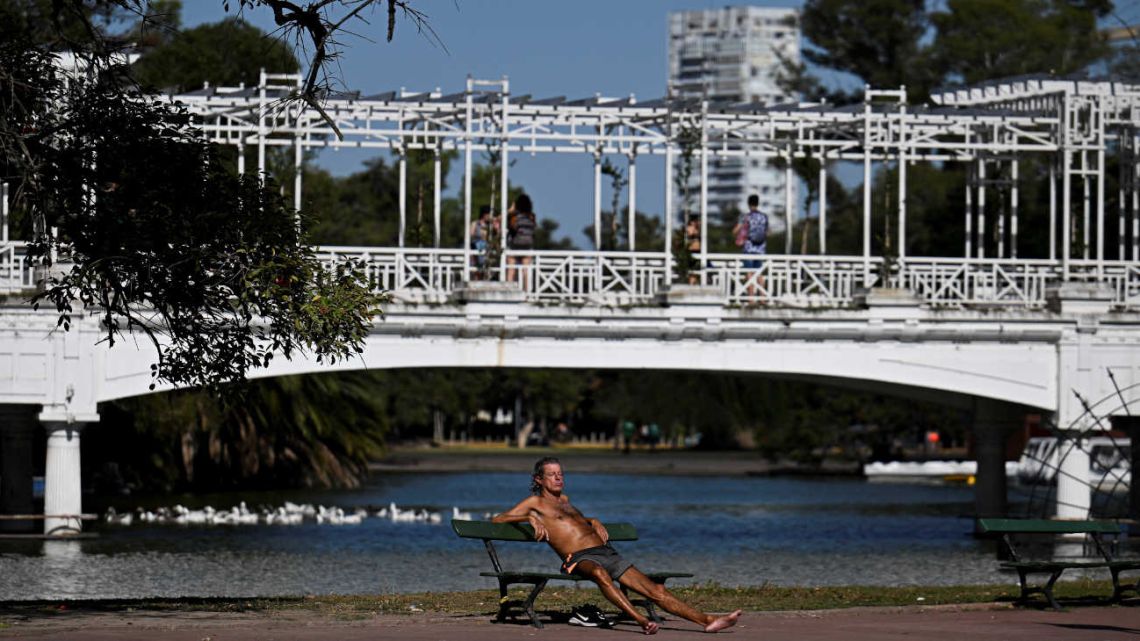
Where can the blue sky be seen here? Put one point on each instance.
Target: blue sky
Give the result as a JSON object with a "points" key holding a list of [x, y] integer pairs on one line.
{"points": [[576, 49]]}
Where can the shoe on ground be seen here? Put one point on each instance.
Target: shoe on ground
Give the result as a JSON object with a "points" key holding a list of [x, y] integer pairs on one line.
{"points": [[590, 617]]}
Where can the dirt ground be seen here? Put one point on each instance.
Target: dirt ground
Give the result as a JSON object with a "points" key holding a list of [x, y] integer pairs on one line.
{"points": [[949, 623]]}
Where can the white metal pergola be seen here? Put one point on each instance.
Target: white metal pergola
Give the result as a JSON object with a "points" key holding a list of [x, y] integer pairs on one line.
{"points": [[990, 127]]}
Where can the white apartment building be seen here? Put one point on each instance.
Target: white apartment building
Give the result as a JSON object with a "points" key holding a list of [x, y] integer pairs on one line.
{"points": [[733, 55]]}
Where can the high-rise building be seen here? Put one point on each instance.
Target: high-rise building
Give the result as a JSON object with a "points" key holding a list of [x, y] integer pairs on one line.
{"points": [[734, 55]]}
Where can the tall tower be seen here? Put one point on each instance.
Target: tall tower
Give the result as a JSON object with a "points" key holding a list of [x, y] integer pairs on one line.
{"points": [[733, 55]]}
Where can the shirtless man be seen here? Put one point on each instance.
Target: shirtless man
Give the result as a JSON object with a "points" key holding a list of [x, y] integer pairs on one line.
{"points": [[582, 544]]}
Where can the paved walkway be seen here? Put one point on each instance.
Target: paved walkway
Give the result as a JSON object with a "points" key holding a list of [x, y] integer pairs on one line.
{"points": [[969, 623]]}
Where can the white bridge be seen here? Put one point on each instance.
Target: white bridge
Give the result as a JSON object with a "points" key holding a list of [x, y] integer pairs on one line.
{"points": [[995, 332]]}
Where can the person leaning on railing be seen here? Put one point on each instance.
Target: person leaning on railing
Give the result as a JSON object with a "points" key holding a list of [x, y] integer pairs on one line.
{"points": [[480, 235]]}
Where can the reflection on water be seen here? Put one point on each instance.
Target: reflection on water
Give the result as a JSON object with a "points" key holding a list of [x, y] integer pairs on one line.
{"points": [[735, 531]]}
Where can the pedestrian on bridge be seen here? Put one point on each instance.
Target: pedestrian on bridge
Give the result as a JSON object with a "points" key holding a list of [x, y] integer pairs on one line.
{"points": [[521, 227], [480, 241], [751, 235]]}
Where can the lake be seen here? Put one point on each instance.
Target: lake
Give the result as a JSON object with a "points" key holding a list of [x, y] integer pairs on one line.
{"points": [[729, 530]]}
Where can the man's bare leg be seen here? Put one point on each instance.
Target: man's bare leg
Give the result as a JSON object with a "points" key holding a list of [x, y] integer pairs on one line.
{"points": [[614, 594], [635, 580]]}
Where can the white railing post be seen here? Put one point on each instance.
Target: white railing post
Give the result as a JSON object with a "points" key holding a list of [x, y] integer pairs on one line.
{"points": [[902, 172], [981, 248], [1135, 169], [866, 185], [1053, 209], [1098, 114], [467, 149], [823, 205], [669, 205], [504, 176], [704, 192], [1066, 189], [1014, 205], [789, 206], [261, 129], [632, 199]]}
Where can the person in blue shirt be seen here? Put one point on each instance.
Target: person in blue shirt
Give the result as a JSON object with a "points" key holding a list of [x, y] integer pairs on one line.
{"points": [[751, 232]]}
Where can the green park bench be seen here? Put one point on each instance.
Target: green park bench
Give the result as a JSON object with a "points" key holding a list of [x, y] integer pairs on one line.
{"points": [[489, 532], [1095, 530]]}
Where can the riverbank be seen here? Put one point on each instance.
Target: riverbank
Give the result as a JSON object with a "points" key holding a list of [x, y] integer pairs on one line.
{"points": [[853, 613], [604, 461]]}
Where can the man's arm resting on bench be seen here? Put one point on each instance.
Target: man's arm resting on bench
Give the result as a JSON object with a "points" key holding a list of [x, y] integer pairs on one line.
{"points": [[523, 513]]}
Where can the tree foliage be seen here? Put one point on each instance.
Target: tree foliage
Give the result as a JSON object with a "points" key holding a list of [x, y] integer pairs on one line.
{"points": [[142, 222], [979, 40], [227, 53], [890, 43], [156, 235]]}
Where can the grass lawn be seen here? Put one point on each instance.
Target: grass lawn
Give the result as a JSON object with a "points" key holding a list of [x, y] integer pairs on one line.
{"points": [[708, 597]]}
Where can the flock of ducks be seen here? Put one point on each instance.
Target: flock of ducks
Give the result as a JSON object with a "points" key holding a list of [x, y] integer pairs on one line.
{"points": [[288, 514]]}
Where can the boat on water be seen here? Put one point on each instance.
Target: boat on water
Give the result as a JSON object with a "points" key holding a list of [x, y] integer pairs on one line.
{"points": [[1110, 461], [1110, 465], [936, 472]]}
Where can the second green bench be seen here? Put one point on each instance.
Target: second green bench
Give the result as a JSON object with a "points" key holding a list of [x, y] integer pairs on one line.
{"points": [[1095, 530]]}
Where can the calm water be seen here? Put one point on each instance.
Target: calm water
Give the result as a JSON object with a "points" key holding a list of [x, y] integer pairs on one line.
{"points": [[731, 530]]}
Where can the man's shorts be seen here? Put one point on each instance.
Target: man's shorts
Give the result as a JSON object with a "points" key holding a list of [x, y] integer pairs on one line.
{"points": [[752, 263], [603, 555]]}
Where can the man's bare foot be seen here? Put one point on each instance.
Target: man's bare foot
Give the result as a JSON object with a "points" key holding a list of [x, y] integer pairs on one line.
{"points": [[650, 627], [726, 621]]}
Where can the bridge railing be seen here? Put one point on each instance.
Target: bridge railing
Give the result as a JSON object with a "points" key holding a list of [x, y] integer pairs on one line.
{"points": [[586, 276], [636, 278], [16, 273], [977, 282], [1122, 277], [788, 280], [416, 274]]}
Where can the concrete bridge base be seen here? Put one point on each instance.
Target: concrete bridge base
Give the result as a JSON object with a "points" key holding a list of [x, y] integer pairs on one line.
{"points": [[63, 490]]}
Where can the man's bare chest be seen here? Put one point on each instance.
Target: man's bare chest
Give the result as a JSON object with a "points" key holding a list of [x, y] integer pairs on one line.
{"points": [[562, 511]]}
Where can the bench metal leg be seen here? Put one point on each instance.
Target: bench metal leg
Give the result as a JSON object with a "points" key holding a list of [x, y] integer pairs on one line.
{"points": [[1046, 589], [1118, 589], [529, 605], [506, 603]]}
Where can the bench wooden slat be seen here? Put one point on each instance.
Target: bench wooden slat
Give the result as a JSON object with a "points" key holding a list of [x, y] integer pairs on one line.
{"points": [[1051, 565], [489, 531], [1046, 526]]}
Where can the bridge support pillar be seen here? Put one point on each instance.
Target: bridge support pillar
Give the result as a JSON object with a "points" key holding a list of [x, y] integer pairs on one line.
{"points": [[994, 421], [1074, 493], [17, 429], [63, 495]]}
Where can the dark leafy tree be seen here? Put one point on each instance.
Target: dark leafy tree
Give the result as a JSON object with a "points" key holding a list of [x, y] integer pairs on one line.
{"points": [[228, 53], [878, 41], [979, 40]]}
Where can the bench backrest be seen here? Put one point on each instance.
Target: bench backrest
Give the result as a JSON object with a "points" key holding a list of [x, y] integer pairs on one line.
{"points": [[488, 531], [1046, 526]]}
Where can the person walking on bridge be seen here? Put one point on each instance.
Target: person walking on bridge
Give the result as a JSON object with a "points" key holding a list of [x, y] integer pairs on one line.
{"points": [[751, 235], [583, 545]]}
